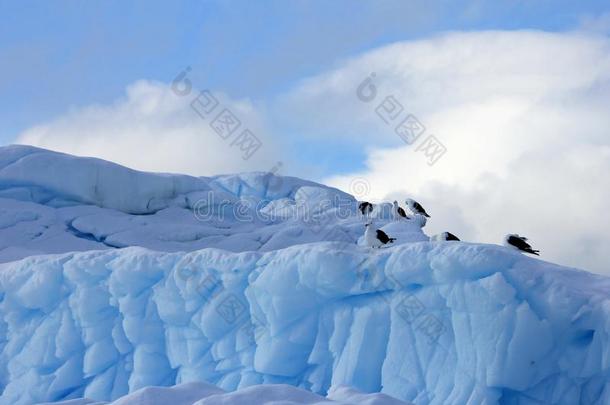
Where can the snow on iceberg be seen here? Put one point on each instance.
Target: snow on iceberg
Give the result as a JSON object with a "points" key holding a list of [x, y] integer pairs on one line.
{"points": [[53, 203], [57, 179], [430, 323]]}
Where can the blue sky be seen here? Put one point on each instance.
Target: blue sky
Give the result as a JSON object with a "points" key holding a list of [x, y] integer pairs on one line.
{"points": [[62, 54]]}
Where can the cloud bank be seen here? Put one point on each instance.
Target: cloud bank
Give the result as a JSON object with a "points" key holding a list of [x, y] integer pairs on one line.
{"points": [[524, 119], [154, 128]]}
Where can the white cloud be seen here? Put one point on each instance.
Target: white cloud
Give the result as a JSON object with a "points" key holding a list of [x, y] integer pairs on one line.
{"points": [[524, 117], [153, 129]]}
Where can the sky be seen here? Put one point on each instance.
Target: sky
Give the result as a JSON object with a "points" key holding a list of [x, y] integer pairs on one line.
{"points": [[515, 93]]}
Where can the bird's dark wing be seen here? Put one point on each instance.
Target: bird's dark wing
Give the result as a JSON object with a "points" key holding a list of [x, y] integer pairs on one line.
{"points": [[451, 236], [382, 236], [420, 209], [364, 207], [402, 212], [519, 243]]}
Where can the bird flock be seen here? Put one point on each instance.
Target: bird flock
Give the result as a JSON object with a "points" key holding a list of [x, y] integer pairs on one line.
{"points": [[376, 238]]}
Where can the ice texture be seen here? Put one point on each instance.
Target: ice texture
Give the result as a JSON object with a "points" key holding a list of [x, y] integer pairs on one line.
{"points": [[198, 393], [430, 323]]}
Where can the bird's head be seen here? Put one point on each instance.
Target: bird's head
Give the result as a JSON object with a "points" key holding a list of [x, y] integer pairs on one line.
{"points": [[409, 202]]}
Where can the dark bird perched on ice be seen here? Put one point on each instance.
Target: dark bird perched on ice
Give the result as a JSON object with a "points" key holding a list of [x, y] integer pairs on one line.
{"points": [[416, 207], [520, 243], [399, 212], [376, 238], [365, 207], [445, 236]]}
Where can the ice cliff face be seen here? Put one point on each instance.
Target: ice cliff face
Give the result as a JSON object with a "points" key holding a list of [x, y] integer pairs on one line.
{"points": [[259, 279], [433, 323]]}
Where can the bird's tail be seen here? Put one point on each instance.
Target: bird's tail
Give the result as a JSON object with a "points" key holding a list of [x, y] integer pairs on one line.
{"points": [[426, 215], [391, 240], [534, 252]]}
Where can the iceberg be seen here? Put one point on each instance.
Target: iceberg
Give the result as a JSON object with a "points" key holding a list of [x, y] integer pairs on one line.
{"points": [[117, 284]]}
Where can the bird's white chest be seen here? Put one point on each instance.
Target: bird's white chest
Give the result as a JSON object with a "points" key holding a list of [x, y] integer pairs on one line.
{"points": [[414, 210], [370, 237]]}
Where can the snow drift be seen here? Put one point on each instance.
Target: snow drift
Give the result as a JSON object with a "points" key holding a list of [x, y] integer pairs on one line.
{"points": [[116, 280]]}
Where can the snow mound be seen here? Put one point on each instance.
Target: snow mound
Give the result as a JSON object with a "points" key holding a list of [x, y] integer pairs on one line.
{"points": [[56, 179], [430, 323], [55, 203]]}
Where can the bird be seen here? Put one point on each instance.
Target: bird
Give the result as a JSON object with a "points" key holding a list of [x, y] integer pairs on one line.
{"points": [[376, 238], [444, 236], [520, 243], [399, 212], [416, 207], [365, 207]]}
